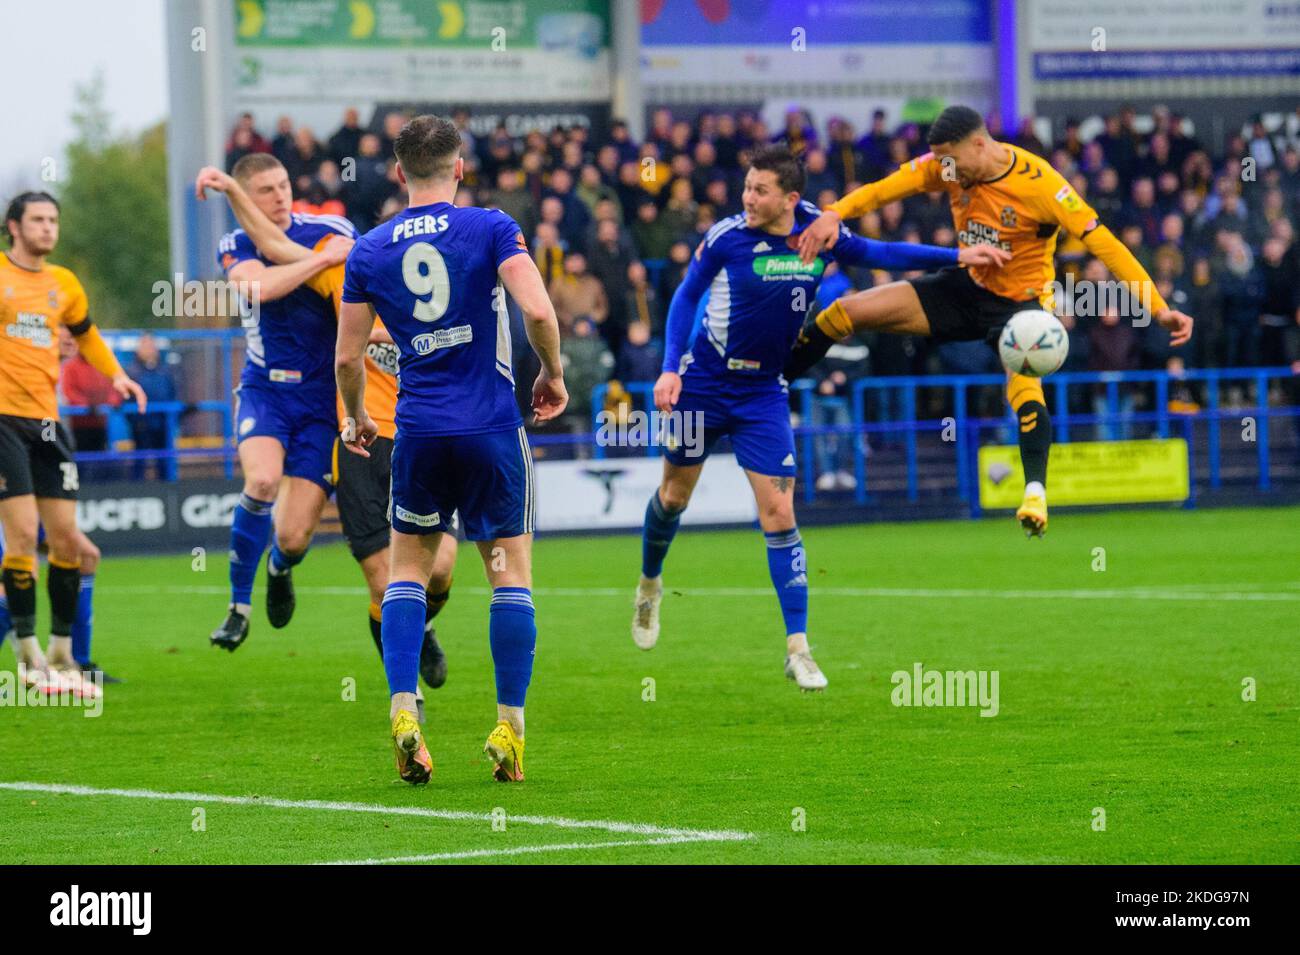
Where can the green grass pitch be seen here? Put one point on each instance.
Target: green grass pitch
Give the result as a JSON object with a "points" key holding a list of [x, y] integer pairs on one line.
{"points": [[1119, 689]]}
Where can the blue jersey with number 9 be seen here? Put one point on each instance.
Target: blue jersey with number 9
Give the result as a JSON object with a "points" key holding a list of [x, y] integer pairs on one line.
{"points": [[430, 273]]}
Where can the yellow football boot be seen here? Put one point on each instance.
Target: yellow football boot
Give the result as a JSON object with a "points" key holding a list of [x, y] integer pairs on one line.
{"points": [[413, 762], [1033, 515], [507, 751]]}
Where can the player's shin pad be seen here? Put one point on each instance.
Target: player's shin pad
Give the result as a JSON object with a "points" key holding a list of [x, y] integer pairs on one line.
{"points": [[1027, 400], [20, 589], [63, 582]]}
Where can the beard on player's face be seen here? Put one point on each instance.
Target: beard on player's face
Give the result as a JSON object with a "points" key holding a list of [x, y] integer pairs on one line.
{"points": [[762, 211]]}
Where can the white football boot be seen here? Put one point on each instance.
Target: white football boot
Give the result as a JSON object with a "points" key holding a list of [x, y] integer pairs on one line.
{"points": [[645, 621], [803, 669], [65, 674]]}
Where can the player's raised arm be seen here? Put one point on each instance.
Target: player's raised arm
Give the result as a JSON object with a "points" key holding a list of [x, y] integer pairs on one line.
{"points": [[1102, 243], [267, 185], [919, 175], [521, 279], [268, 237], [276, 281], [1057, 201], [906, 256]]}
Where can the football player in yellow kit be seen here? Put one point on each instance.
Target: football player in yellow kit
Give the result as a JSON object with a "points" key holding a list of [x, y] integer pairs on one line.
{"points": [[1000, 195]]}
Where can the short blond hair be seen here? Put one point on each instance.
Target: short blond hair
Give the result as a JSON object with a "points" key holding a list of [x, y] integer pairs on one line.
{"points": [[249, 166]]}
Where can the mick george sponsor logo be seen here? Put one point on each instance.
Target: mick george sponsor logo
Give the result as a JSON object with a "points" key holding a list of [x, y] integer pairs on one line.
{"points": [[922, 687], [31, 326], [75, 907]]}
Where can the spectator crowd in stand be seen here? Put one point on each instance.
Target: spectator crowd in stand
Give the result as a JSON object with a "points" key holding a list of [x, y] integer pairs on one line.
{"points": [[612, 224]]}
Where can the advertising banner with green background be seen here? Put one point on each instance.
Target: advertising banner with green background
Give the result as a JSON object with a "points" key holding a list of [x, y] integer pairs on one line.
{"points": [[473, 51]]}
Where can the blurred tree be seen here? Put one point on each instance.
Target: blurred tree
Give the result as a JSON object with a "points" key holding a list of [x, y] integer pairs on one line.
{"points": [[113, 230]]}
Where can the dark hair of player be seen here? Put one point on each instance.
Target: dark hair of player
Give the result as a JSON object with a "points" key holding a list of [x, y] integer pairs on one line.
{"points": [[18, 208], [779, 159], [427, 148], [249, 166], [954, 124]]}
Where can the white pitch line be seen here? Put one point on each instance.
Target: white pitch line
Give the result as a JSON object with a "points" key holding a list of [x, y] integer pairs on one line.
{"points": [[1155, 592], [519, 850], [559, 822]]}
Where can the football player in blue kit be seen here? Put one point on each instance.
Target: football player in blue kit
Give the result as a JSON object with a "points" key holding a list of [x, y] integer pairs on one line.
{"points": [[285, 418], [437, 276], [730, 377]]}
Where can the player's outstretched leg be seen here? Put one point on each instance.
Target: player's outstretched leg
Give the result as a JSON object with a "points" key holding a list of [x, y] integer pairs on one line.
{"points": [[894, 308], [1027, 401], [787, 564], [662, 518], [815, 340], [512, 631]]}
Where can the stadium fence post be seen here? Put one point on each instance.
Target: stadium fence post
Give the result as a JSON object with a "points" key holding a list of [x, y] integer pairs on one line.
{"points": [[597, 406], [959, 421], [909, 414], [859, 439], [1212, 421], [804, 387], [227, 412], [1261, 428], [1061, 413], [1162, 406]]}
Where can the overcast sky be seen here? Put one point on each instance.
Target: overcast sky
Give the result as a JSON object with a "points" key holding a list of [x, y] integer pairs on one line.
{"points": [[48, 47]]}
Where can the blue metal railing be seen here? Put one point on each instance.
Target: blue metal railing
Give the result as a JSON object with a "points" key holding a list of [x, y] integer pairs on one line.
{"points": [[118, 419], [169, 454], [968, 430], [878, 407]]}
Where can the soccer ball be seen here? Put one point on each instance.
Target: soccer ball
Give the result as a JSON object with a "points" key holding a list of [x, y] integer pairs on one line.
{"points": [[1033, 343]]}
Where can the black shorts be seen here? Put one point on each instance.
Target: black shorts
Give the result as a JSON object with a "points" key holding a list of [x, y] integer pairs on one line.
{"points": [[362, 490], [361, 487], [36, 458], [961, 311]]}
